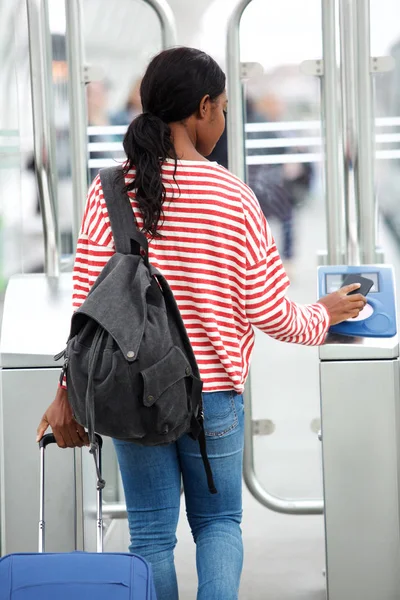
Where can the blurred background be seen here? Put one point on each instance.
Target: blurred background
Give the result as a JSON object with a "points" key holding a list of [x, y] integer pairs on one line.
{"points": [[282, 146], [120, 38]]}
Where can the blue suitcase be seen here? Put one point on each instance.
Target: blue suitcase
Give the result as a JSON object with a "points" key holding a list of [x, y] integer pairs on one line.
{"points": [[75, 575]]}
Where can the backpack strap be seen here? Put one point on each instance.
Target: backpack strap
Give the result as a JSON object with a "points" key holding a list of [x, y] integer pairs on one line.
{"points": [[127, 237]]}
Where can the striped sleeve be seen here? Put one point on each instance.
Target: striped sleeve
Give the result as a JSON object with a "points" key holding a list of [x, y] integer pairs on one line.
{"points": [[94, 247], [267, 306]]}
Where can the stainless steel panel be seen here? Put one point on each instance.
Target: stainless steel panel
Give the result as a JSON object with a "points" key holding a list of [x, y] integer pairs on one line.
{"points": [[340, 347], [360, 424], [36, 319], [26, 393]]}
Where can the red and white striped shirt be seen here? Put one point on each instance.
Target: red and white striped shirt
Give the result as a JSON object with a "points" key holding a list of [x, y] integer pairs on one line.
{"points": [[220, 259]]}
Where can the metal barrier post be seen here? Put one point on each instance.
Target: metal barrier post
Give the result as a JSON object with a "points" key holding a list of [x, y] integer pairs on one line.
{"points": [[331, 122], [45, 166], [364, 168], [350, 141], [78, 113], [358, 132]]}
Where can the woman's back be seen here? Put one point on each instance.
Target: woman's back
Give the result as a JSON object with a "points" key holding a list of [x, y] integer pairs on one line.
{"points": [[216, 251]]}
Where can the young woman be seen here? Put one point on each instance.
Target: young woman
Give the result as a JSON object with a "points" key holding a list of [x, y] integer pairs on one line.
{"points": [[209, 238]]}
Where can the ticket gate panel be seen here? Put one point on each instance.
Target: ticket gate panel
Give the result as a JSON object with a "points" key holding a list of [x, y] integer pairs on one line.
{"points": [[27, 394], [360, 424], [372, 337], [360, 404], [35, 326], [378, 319]]}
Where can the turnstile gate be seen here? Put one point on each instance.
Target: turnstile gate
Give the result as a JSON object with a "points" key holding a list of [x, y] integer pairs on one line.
{"points": [[360, 402], [36, 318]]}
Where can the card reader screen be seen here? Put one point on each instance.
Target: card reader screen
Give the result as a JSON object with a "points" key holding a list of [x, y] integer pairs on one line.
{"points": [[334, 281]]}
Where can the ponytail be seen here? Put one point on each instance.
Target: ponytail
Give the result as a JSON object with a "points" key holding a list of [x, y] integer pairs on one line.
{"points": [[147, 145], [175, 82]]}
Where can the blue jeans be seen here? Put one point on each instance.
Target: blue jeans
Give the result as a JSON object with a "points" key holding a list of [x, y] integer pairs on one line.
{"points": [[152, 484]]}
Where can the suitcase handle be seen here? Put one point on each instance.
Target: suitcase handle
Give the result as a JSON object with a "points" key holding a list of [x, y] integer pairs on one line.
{"points": [[46, 441], [50, 439]]}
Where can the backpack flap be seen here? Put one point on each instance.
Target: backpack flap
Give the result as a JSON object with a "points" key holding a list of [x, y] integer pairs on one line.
{"points": [[123, 315], [160, 377]]}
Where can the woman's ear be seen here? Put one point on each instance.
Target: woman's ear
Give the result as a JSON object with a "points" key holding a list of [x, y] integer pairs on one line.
{"points": [[204, 107]]}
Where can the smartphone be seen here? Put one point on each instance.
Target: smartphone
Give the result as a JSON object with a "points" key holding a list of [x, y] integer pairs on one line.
{"points": [[366, 284]]}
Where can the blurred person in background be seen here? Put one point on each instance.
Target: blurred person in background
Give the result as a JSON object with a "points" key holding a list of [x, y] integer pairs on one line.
{"points": [[99, 115], [132, 108], [267, 181]]}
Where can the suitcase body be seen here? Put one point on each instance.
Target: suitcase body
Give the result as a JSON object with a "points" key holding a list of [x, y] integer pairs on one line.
{"points": [[75, 575]]}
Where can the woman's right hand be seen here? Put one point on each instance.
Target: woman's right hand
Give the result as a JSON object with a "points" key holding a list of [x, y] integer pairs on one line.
{"points": [[341, 307], [68, 433]]}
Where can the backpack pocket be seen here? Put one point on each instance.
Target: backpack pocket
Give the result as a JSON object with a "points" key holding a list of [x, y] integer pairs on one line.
{"points": [[165, 391], [116, 399]]}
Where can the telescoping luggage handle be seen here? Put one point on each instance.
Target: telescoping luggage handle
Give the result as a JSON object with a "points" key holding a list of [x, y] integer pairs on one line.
{"points": [[44, 442]]}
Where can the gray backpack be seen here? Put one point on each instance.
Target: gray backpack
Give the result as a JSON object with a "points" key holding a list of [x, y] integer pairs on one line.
{"points": [[130, 368]]}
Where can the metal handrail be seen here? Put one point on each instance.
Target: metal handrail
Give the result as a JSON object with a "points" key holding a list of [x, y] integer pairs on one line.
{"points": [[237, 165], [115, 510], [287, 506], [78, 113], [167, 21], [235, 118], [43, 126]]}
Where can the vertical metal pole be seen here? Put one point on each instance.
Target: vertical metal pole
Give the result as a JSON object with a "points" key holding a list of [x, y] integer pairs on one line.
{"points": [[78, 113], [331, 127], [235, 119], [43, 126], [364, 168], [350, 99], [166, 16]]}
